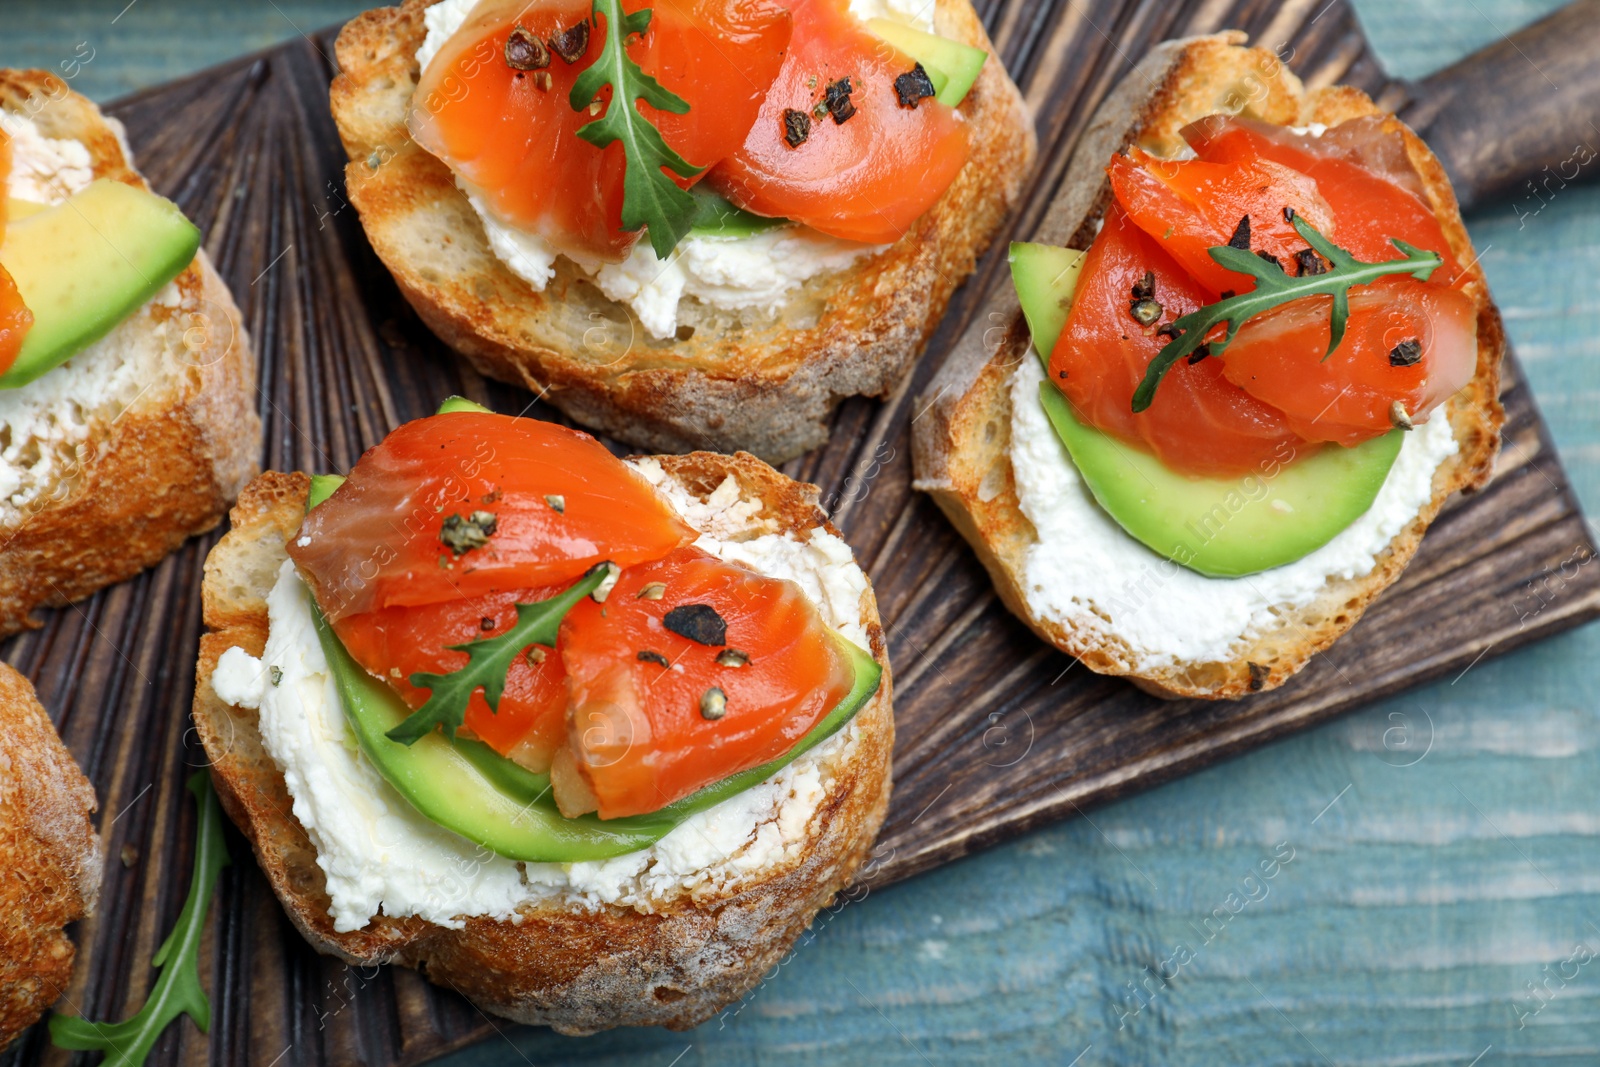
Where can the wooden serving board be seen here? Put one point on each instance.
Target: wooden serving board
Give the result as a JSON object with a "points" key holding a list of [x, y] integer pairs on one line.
{"points": [[997, 733]]}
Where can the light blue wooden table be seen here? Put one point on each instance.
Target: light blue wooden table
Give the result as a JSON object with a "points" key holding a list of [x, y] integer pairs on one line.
{"points": [[1435, 889]]}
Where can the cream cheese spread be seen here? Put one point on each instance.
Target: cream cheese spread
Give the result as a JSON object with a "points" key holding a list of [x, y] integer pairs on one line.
{"points": [[46, 426], [44, 170], [1086, 572]]}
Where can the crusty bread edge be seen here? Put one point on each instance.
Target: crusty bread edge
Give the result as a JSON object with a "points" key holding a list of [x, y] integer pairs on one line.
{"points": [[767, 389], [167, 467], [961, 443], [49, 852], [575, 970]]}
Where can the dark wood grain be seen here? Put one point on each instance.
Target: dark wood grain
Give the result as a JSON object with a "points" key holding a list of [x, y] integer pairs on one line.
{"points": [[1521, 117], [997, 733]]}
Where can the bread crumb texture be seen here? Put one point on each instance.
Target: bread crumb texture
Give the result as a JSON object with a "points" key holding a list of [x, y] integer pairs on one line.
{"points": [[49, 857]]}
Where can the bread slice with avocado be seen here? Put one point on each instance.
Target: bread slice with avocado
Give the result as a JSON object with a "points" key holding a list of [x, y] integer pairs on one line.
{"points": [[49, 852], [148, 429], [667, 941], [729, 380], [965, 441]]}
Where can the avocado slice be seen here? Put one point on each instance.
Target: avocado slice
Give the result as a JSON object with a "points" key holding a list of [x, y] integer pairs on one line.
{"points": [[451, 403], [468, 788], [1045, 277], [717, 216], [951, 65], [1226, 527], [1220, 527], [21, 209], [85, 265]]}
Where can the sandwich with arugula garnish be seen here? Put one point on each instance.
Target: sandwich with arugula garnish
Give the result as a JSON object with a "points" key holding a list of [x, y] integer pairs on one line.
{"points": [[1236, 398], [689, 225], [588, 740]]}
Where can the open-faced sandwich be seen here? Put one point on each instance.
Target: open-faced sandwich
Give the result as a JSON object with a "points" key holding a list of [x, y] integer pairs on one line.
{"points": [[691, 225], [127, 385], [1263, 361], [590, 741], [49, 857]]}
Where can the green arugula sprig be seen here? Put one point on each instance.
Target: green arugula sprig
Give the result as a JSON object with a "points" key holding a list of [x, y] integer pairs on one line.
{"points": [[649, 198], [1273, 288], [488, 662], [178, 990]]}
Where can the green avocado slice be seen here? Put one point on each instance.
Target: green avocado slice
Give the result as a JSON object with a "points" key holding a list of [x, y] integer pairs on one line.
{"points": [[951, 65], [1045, 278], [451, 404], [1220, 527], [716, 216], [85, 265], [468, 788]]}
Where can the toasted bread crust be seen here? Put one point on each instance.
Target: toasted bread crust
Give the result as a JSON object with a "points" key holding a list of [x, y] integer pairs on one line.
{"points": [[49, 857], [160, 470], [574, 969], [962, 443], [742, 381]]}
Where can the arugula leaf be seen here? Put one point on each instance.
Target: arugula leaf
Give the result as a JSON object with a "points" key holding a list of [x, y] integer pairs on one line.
{"points": [[178, 990], [489, 661], [649, 198], [1273, 288]]}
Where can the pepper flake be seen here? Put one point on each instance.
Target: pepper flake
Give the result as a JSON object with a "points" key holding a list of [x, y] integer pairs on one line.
{"points": [[913, 86], [837, 99], [608, 583], [462, 535], [796, 127], [1241, 235], [524, 51], [699, 623], [1406, 353], [571, 44], [714, 704], [1309, 262]]}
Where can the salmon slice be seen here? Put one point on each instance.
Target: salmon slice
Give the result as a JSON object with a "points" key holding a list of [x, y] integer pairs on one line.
{"points": [[510, 135], [15, 318], [725, 671], [686, 671], [1361, 171], [867, 178], [1190, 206], [1406, 342], [1199, 422], [465, 504], [394, 643]]}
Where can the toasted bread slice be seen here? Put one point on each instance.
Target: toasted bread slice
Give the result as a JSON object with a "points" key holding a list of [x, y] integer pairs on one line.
{"points": [[48, 851], [578, 968], [111, 460], [962, 442], [744, 380]]}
